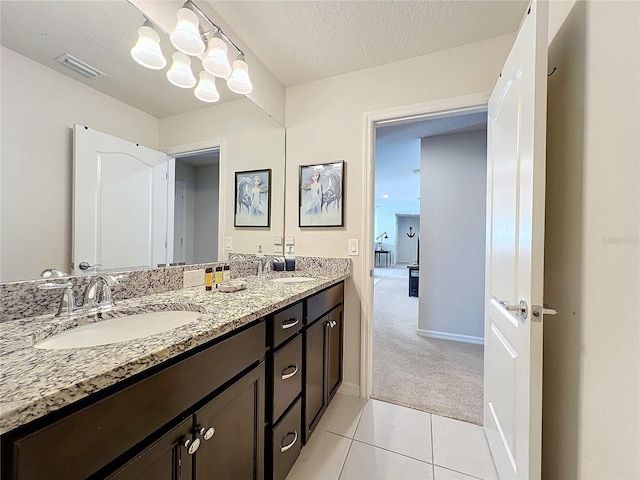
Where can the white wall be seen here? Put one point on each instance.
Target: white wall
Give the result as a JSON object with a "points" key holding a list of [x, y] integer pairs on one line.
{"points": [[39, 108], [250, 140], [187, 174], [452, 235], [592, 357], [205, 244], [325, 122], [407, 247]]}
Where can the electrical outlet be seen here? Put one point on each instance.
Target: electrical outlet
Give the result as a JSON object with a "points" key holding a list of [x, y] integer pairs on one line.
{"points": [[228, 243], [192, 278], [289, 241]]}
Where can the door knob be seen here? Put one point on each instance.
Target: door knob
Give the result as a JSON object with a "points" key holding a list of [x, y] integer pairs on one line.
{"points": [[522, 308]]}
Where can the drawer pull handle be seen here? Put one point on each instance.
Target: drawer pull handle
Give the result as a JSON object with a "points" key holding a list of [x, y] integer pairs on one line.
{"points": [[290, 323], [290, 374], [287, 447], [191, 445]]}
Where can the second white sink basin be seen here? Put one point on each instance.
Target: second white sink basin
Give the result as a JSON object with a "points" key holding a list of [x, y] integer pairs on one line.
{"points": [[292, 279], [119, 329]]}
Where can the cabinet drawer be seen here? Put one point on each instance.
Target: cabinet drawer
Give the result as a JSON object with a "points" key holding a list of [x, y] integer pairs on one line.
{"points": [[322, 302], [287, 441], [287, 376], [287, 323], [90, 438]]}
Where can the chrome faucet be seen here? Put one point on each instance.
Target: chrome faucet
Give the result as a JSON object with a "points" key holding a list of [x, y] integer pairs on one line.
{"points": [[98, 294], [269, 262]]}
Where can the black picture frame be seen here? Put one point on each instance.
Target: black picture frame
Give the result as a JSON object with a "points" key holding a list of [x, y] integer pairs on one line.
{"points": [[252, 200], [321, 195]]}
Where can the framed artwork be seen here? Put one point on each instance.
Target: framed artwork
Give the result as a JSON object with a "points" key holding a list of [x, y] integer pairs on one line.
{"points": [[253, 199], [321, 195]]}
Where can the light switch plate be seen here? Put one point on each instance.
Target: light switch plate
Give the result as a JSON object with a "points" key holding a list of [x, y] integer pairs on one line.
{"points": [[228, 243], [192, 278], [277, 240], [353, 247]]}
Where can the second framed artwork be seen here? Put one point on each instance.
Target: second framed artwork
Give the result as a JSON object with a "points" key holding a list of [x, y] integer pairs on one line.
{"points": [[253, 199], [321, 195]]}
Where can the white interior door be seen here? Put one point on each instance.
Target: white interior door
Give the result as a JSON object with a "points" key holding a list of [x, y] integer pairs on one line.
{"points": [[119, 202], [514, 268]]}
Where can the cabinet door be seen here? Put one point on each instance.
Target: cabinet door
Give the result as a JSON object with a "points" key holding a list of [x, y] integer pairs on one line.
{"points": [[315, 384], [334, 351], [231, 431], [166, 459]]}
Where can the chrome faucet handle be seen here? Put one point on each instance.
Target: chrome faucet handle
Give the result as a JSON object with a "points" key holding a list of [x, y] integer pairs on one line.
{"points": [[68, 305]]}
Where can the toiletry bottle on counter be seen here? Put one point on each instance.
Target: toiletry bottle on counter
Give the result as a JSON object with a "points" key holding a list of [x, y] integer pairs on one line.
{"points": [[290, 260], [226, 273], [208, 278], [218, 276]]}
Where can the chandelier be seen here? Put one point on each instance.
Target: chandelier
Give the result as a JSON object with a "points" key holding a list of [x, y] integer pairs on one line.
{"points": [[190, 40]]}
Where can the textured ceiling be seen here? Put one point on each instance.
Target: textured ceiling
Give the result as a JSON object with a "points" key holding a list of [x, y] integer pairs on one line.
{"points": [[299, 41], [302, 41], [398, 155]]}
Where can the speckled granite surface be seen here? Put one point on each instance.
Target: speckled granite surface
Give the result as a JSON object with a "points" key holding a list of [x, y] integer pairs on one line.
{"points": [[24, 299], [36, 382]]}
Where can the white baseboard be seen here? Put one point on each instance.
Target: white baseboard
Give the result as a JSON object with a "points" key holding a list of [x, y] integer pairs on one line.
{"points": [[349, 388], [456, 337]]}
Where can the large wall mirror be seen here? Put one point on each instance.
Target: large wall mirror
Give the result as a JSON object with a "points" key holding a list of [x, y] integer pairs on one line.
{"points": [[42, 100]]}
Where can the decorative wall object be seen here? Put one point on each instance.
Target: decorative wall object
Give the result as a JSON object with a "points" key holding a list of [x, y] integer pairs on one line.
{"points": [[321, 195], [253, 199]]}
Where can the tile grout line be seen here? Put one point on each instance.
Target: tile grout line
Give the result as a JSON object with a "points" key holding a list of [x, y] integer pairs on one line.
{"points": [[433, 456], [393, 451], [346, 457]]}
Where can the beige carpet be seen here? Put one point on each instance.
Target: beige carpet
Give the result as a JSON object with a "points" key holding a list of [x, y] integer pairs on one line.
{"points": [[433, 375]]}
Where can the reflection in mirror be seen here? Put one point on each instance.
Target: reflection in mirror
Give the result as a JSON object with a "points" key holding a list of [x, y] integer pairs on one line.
{"points": [[42, 100]]}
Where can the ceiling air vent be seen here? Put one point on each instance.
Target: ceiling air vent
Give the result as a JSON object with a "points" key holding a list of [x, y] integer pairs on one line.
{"points": [[79, 66]]}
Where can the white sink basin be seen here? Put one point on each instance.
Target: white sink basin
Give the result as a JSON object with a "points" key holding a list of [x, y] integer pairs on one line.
{"points": [[292, 279], [119, 329]]}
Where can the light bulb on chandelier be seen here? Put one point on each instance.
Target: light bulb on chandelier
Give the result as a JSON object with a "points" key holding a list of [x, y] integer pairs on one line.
{"points": [[188, 38], [239, 81], [146, 51], [186, 35]]}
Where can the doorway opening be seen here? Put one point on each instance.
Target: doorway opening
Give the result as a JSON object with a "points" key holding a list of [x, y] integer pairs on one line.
{"points": [[428, 305], [196, 207]]}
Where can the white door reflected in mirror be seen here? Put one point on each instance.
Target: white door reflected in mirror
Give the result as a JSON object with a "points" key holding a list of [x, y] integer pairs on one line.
{"points": [[120, 202]]}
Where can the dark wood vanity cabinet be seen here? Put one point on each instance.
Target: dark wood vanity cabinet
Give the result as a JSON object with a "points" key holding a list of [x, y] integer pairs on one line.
{"points": [[229, 431], [238, 408], [285, 389], [323, 339], [139, 428]]}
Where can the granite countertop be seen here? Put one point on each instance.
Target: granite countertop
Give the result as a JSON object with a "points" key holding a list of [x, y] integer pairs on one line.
{"points": [[36, 381]]}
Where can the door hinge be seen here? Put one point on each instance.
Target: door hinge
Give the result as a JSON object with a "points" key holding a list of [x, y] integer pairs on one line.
{"points": [[538, 311]]}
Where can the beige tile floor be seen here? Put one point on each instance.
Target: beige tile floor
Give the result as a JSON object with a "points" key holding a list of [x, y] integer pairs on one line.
{"points": [[370, 439]]}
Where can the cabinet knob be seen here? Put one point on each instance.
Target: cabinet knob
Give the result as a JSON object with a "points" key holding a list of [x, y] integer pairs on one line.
{"points": [[291, 373], [331, 323], [191, 445], [284, 448], [206, 433]]}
